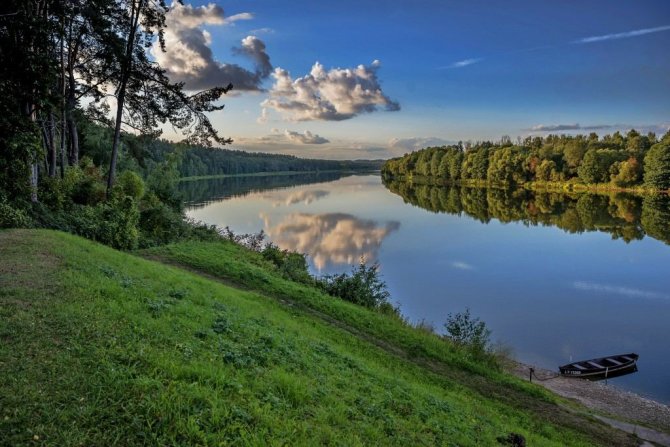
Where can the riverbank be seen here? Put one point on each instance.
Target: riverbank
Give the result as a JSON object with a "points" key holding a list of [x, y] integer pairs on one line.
{"points": [[217, 348], [557, 187], [646, 418], [279, 173]]}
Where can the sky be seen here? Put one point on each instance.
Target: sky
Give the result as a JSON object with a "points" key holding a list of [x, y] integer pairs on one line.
{"points": [[375, 79]]}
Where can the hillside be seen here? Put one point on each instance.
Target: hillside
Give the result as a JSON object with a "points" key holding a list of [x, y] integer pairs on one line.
{"points": [[101, 347]]}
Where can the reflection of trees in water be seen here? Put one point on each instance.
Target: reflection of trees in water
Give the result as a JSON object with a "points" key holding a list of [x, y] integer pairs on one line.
{"points": [[624, 216], [198, 193], [331, 238]]}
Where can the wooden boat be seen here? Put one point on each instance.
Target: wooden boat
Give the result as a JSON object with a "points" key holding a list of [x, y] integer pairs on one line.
{"points": [[602, 368]]}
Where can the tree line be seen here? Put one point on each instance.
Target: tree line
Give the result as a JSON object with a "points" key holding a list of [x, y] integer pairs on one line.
{"points": [[618, 160], [625, 216]]}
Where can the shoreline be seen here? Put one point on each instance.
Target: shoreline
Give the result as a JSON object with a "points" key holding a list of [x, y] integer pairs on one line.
{"points": [[536, 186], [624, 410]]}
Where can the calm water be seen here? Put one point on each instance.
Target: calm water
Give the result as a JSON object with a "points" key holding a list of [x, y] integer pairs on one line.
{"points": [[555, 277]]}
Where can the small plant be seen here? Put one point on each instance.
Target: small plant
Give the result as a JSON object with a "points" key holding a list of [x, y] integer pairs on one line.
{"points": [[468, 331]]}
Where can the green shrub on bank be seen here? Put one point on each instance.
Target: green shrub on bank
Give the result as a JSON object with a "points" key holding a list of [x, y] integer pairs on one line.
{"points": [[13, 217]]}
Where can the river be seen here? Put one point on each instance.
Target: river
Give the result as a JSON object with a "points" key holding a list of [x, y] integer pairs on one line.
{"points": [[555, 277]]}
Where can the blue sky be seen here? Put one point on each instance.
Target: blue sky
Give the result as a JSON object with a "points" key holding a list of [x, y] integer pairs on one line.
{"points": [[445, 70]]}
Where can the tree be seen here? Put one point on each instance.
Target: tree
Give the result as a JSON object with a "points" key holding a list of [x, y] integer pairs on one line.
{"points": [[145, 97], [592, 169], [657, 166]]}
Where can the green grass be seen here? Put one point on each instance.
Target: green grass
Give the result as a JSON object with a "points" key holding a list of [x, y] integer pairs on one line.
{"points": [[100, 347]]}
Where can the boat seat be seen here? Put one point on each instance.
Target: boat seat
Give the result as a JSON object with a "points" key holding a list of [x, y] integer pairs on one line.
{"points": [[578, 366], [616, 362], [626, 358], [597, 365]]}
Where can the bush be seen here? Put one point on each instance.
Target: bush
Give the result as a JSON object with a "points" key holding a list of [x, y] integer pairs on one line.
{"points": [[467, 331], [11, 217], [363, 286], [130, 184], [160, 223], [291, 265]]}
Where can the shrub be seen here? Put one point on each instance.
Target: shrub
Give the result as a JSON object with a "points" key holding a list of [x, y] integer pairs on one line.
{"points": [[291, 265], [363, 286], [11, 217], [130, 184], [467, 331]]}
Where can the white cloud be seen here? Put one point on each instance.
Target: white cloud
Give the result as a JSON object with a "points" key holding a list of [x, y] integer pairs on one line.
{"points": [[304, 138], [462, 265], [236, 17], [188, 57], [657, 128], [334, 95], [463, 63], [625, 35], [618, 290], [413, 144]]}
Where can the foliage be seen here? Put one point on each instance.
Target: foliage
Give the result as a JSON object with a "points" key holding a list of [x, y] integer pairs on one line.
{"points": [[363, 286], [13, 217], [617, 160], [468, 331], [657, 166], [291, 265]]}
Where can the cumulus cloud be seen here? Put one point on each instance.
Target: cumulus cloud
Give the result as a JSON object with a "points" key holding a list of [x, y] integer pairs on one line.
{"points": [[331, 238], [618, 290], [254, 48], [304, 138], [329, 95], [625, 35], [188, 57], [416, 143]]}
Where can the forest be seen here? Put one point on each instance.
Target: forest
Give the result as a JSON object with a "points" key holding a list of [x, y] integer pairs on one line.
{"points": [[616, 161]]}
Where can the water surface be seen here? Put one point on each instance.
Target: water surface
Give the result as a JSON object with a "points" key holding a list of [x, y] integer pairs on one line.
{"points": [[557, 278]]}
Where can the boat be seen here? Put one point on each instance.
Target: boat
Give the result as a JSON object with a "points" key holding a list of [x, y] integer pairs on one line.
{"points": [[601, 368]]}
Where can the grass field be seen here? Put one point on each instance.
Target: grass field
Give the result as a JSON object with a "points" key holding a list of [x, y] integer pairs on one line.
{"points": [[101, 347]]}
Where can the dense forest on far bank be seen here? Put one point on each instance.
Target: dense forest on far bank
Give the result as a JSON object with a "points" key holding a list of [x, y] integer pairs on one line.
{"points": [[633, 161]]}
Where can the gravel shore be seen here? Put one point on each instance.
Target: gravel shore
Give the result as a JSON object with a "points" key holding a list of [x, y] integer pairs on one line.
{"points": [[648, 419]]}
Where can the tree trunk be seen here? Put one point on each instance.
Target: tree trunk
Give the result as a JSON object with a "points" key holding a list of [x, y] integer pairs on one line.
{"points": [[63, 127], [117, 138], [73, 155], [127, 65]]}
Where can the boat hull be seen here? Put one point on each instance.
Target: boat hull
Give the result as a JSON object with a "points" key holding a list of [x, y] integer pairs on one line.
{"points": [[601, 368]]}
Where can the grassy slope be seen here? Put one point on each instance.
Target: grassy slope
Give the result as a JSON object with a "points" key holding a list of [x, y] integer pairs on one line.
{"points": [[99, 347]]}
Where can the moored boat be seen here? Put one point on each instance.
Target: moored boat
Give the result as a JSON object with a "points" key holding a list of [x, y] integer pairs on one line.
{"points": [[601, 368]]}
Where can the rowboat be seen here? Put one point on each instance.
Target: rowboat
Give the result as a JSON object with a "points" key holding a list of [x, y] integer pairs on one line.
{"points": [[602, 368]]}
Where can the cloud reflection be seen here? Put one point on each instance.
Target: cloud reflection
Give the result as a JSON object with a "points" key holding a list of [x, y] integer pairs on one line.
{"points": [[303, 196], [331, 238], [618, 290]]}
